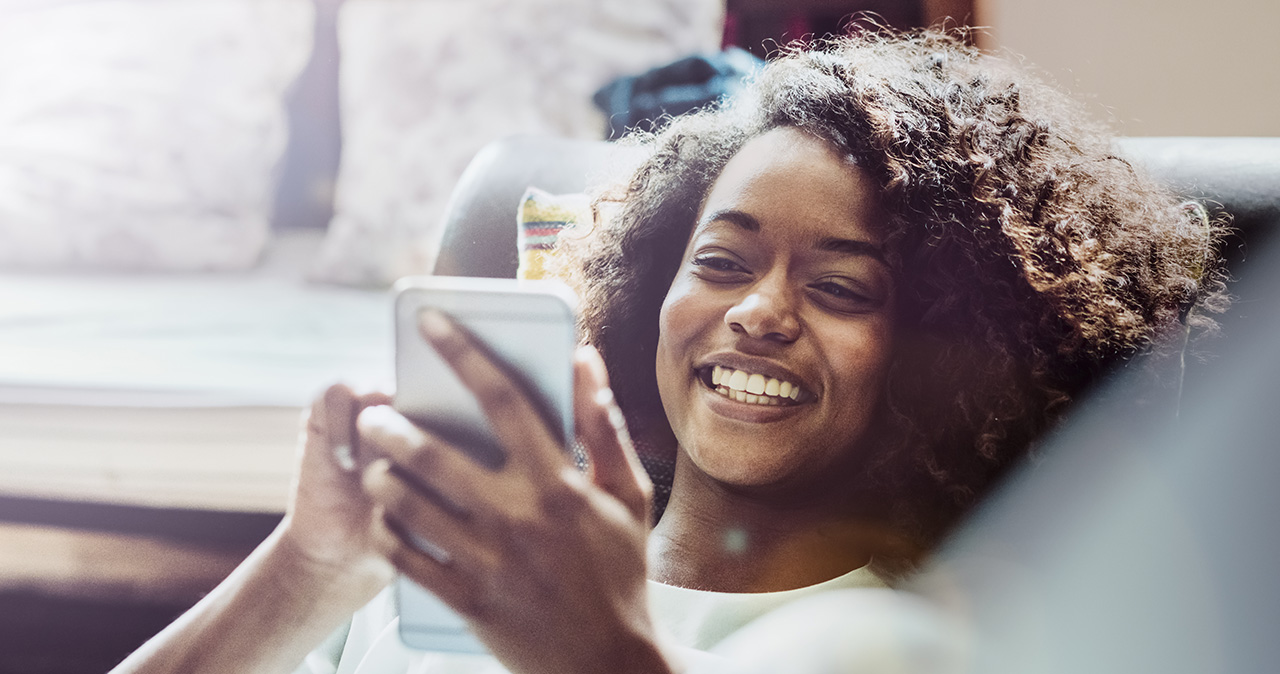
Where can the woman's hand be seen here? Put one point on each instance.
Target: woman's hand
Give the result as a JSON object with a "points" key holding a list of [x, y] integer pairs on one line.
{"points": [[328, 522], [546, 563]]}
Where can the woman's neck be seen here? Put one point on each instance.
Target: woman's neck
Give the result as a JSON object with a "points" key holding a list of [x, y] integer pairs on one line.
{"points": [[713, 537]]}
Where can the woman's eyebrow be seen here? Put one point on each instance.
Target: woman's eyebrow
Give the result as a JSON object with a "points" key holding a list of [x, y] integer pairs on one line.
{"points": [[852, 247], [749, 223], [741, 219]]}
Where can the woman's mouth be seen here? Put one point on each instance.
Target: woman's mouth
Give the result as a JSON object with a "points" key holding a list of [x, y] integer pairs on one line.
{"points": [[750, 387]]}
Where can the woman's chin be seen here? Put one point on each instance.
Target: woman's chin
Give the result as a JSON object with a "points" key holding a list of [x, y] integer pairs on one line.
{"points": [[742, 465]]}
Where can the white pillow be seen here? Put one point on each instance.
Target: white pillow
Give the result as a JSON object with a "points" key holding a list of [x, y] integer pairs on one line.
{"points": [[426, 83], [143, 134]]}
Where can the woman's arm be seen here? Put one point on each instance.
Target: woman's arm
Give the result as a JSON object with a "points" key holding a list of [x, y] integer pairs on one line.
{"points": [[265, 617], [309, 575]]}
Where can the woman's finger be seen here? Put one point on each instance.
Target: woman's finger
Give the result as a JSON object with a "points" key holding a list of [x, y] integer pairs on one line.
{"points": [[440, 471], [331, 425], [432, 528], [515, 419], [450, 581], [602, 427]]}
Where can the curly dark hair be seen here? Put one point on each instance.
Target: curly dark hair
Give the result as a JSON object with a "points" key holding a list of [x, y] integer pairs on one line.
{"points": [[1029, 257]]}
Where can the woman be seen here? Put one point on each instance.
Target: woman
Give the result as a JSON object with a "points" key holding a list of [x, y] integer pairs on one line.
{"points": [[844, 305]]}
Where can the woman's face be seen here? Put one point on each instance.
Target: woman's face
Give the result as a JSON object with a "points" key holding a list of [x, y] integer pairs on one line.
{"points": [[776, 332]]}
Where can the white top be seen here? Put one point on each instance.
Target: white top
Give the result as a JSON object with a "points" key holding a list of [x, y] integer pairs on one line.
{"points": [[696, 619]]}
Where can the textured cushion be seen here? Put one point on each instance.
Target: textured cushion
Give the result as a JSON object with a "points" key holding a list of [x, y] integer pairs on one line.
{"points": [[425, 84], [143, 134]]}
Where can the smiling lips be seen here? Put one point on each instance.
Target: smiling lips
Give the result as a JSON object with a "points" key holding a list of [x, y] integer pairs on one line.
{"points": [[751, 388]]}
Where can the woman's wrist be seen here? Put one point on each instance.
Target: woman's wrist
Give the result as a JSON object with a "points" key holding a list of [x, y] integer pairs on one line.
{"points": [[349, 572]]}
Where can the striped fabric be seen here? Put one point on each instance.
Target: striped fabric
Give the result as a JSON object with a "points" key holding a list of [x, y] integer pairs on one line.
{"points": [[541, 218]]}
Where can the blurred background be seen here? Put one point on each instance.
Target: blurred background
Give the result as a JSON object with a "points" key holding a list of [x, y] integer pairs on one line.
{"points": [[203, 203]]}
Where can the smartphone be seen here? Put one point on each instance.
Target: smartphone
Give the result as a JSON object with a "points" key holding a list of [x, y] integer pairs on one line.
{"points": [[529, 327]]}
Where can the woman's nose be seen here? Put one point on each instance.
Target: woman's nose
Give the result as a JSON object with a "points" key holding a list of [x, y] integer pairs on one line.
{"points": [[767, 311]]}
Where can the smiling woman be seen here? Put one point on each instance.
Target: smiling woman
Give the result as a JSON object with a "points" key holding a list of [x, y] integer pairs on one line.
{"points": [[845, 304], [940, 250]]}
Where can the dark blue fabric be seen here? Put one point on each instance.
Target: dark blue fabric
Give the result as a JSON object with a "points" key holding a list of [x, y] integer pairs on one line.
{"points": [[647, 100]]}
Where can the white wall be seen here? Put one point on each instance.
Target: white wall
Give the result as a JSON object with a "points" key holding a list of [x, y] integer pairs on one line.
{"points": [[1157, 67]]}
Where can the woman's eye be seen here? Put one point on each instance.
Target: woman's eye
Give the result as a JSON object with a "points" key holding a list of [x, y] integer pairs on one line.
{"points": [[841, 297], [717, 264]]}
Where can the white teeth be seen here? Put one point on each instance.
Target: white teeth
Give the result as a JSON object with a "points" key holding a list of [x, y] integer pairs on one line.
{"points": [[752, 388]]}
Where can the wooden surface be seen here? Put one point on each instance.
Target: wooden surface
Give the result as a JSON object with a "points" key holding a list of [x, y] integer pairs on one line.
{"points": [[115, 567], [218, 458]]}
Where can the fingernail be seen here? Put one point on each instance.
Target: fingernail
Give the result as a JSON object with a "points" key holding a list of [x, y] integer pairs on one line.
{"points": [[434, 325], [343, 455], [591, 355], [617, 419]]}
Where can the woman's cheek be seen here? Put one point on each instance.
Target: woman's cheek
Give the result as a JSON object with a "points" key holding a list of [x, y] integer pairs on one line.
{"points": [[679, 318], [682, 318], [863, 365]]}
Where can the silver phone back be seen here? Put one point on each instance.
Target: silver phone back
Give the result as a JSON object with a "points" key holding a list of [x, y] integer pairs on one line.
{"points": [[527, 325]]}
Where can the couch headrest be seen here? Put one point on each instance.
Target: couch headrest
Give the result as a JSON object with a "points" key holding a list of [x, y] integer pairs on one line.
{"points": [[1235, 175], [1240, 176]]}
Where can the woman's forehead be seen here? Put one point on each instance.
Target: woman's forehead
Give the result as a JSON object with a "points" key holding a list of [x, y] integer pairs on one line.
{"points": [[790, 178]]}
